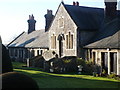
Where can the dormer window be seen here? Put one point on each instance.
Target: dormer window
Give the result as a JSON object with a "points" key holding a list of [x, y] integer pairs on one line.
{"points": [[61, 22]]}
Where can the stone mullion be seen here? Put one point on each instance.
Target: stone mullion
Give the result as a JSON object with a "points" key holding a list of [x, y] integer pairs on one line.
{"points": [[118, 63], [55, 42], [69, 40], [108, 62]]}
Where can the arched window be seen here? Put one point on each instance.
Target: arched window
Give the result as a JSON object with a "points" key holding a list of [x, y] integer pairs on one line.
{"points": [[69, 41]]}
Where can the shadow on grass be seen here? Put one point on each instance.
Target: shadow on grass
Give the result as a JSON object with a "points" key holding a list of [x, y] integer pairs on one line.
{"points": [[50, 80]]}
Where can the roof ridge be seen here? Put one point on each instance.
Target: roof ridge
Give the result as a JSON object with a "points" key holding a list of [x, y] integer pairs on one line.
{"points": [[84, 6]]}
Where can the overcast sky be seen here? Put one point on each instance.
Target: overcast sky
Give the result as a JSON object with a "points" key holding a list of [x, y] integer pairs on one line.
{"points": [[14, 14]]}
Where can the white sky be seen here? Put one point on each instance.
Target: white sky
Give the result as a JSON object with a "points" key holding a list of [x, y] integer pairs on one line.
{"points": [[14, 14]]}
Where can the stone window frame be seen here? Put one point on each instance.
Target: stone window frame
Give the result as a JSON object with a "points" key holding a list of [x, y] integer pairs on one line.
{"points": [[61, 22], [53, 41], [69, 45]]}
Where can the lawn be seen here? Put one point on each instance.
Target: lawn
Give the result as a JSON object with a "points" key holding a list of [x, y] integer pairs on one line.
{"points": [[51, 80]]}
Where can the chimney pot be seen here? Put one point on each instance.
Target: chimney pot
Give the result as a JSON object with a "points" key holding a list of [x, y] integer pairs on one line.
{"points": [[77, 3], [74, 3]]}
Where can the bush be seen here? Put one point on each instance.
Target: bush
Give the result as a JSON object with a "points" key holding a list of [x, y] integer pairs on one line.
{"points": [[63, 65], [37, 61], [66, 61], [88, 66], [15, 80], [70, 64], [80, 61], [104, 73], [112, 75]]}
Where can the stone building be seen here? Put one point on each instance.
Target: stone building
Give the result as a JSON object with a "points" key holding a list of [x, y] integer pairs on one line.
{"points": [[106, 50], [85, 32], [32, 43], [88, 33]]}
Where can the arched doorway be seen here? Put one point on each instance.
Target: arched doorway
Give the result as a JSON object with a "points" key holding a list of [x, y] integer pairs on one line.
{"points": [[60, 48], [60, 39]]}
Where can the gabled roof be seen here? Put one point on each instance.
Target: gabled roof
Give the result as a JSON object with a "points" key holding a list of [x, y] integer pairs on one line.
{"points": [[108, 37], [86, 18], [38, 38]]}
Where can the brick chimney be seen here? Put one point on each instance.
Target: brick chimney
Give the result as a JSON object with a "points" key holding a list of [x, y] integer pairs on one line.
{"points": [[31, 24], [49, 18], [110, 9]]}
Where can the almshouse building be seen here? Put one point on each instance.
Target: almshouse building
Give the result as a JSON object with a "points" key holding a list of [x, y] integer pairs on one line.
{"points": [[32, 43], [85, 32]]}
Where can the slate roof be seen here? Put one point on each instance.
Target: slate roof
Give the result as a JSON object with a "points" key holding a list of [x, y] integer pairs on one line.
{"points": [[90, 18], [86, 18], [38, 38], [108, 37]]}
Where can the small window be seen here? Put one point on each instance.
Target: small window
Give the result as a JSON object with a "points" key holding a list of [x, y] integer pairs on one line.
{"points": [[22, 52], [19, 53], [61, 22], [15, 52], [26, 53], [94, 57]]}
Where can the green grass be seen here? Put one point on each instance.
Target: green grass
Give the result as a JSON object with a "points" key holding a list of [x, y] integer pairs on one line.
{"points": [[51, 80]]}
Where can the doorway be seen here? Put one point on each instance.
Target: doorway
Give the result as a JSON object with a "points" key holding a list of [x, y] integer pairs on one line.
{"points": [[104, 61], [60, 48], [94, 57], [113, 62]]}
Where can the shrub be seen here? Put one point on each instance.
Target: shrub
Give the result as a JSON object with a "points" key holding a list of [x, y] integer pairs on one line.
{"points": [[37, 61], [65, 64], [15, 80], [104, 73], [88, 66], [112, 75], [66, 61], [80, 61]]}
